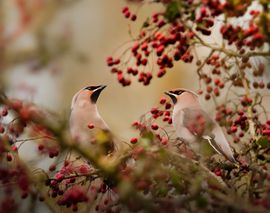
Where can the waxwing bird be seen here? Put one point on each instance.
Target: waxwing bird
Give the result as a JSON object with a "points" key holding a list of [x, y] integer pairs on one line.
{"points": [[85, 121], [193, 125]]}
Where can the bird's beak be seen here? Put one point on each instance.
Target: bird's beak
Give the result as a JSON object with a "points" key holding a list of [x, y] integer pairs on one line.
{"points": [[101, 87], [97, 92], [172, 96], [167, 93]]}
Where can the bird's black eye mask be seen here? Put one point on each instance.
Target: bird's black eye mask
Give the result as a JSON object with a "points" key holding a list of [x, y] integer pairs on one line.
{"points": [[91, 88], [177, 92], [96, 92], [174, 94]]}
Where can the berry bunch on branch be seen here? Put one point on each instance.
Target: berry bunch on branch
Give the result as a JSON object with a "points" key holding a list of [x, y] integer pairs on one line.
{"points": [[176, 33]]}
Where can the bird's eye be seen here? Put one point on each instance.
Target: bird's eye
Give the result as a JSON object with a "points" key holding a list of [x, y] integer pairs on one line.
{"points": [[178, 92]]}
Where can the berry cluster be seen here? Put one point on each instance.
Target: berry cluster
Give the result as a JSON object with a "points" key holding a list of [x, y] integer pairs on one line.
{"points": [[159, 40], [250, 37], [128, 14], [16, 121], [218, 75], [157, 121], [15, 182], [172, 35], [73, 196], [265, 130], [77, 182], [234, 119]]}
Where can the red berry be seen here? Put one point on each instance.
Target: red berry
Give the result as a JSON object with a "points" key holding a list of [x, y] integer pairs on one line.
{"points": [[164, 141], [127, 14], [216, 91], [135, 47], [221, 85], [154, 126], [91, 126], [40, 147], [52, 167], [135, 123], [162, 100], [233, 128], [2, 129], [144, 46], [266, 132], [241, 134], [110, 61], [161, 73], [129, 70], [9, 157], [168, 106], [154, 110], [218, 172], [133, 17], [160, 50], [167, 113], [207, 96], [217, 82], [14, 148], [117, 61], [84, 169], [114, 70], [155, 116], [144, 61], [125, 9], [4, 112], [133, 140], [209, 89]]}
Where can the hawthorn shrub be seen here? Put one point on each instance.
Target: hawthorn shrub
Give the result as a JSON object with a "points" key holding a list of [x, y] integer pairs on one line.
{"points": [[155, 171]]}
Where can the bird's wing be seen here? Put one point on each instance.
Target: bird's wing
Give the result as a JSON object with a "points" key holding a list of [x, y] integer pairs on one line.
{"points": [[219, 142], [200, 124], [197, 121]]}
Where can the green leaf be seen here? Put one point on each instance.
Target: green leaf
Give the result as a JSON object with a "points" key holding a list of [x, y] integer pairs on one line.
{"points": [[176, 180], [172, 11], [263, 142], [192, 16], [162, 190]]}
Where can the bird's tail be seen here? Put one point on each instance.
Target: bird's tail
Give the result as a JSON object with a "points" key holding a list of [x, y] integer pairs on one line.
{"points": [[225, 151], [221, 144]]}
